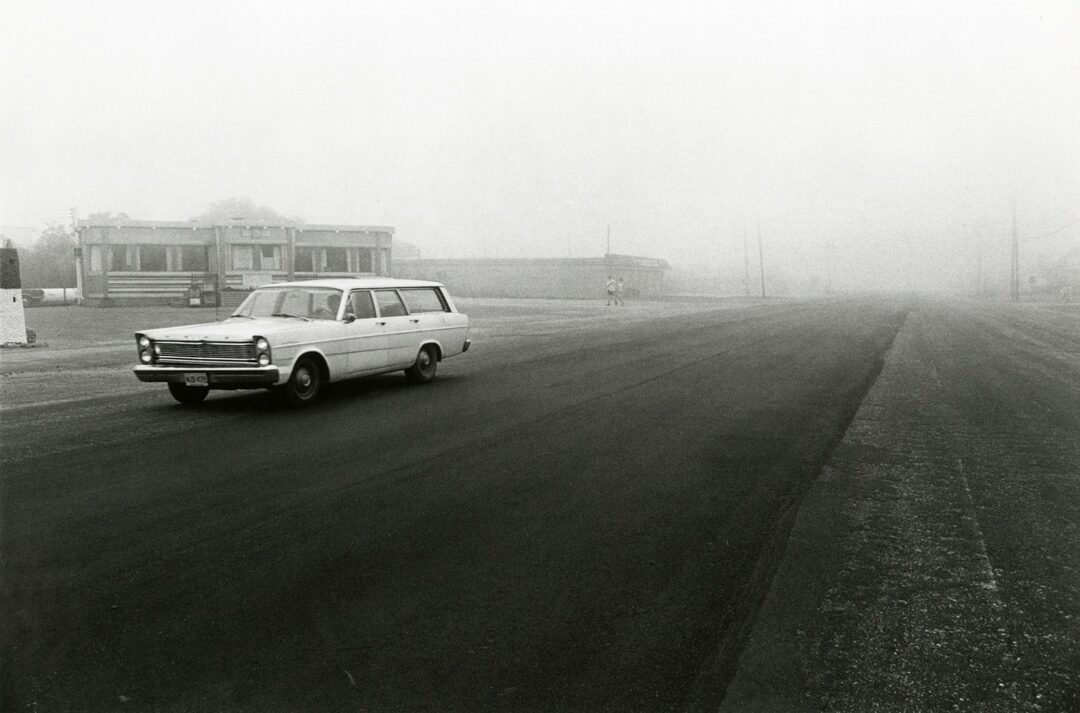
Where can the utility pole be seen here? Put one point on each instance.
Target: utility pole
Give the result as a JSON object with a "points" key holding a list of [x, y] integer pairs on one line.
{"points": [[608, 239], [830, 253], [761, 258], [978, 262], [78, 255], [746, 261], [1015, 283]]}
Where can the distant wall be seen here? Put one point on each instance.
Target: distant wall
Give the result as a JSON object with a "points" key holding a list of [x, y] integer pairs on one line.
{"points": [[569, 278]]}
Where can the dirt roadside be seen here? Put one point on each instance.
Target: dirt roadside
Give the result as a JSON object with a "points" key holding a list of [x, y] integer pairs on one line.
{"points": [[935, 563]]}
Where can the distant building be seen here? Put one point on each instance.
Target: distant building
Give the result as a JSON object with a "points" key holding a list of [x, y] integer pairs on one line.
{"points": [[137, 262], [582, 278]]}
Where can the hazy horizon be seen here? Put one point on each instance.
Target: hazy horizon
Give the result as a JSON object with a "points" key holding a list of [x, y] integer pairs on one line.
{"points": [[873, 143]]}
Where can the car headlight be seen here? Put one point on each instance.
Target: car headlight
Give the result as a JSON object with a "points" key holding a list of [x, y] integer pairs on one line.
{"points": [[262, 351], [144, 342], [145, 357]]}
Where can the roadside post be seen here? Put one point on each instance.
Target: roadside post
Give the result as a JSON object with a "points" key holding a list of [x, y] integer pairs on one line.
{"points": [[12, 314]]}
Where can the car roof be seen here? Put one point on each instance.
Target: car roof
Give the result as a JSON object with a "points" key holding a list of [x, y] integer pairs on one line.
{"points": [[353, 283]]}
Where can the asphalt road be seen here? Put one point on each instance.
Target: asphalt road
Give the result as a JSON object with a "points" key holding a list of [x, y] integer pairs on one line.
{"points": [[573, 517], [583, 513]]}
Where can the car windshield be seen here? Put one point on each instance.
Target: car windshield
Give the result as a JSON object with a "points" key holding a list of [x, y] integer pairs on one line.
{"points": [[291, 303]]}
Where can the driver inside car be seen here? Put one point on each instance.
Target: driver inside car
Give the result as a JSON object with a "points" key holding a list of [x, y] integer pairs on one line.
{"points": [[331, 308]]}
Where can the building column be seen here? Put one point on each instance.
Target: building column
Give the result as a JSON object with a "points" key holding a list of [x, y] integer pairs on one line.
{"points": [[290, 254], [80, 265], [219, 259]]}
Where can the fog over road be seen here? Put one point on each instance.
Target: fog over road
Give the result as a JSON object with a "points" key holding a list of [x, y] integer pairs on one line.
{"points": [[573, 516]]}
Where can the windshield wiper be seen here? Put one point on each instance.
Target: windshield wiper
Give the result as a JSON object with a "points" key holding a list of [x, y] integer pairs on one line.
{"points": [[291, 316], [245, 316]]}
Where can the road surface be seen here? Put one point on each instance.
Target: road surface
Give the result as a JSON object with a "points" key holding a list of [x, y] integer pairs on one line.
{"points": [[576, 515]]}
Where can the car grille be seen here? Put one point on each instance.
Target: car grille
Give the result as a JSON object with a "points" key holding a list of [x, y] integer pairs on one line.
{"points": [[205, 352]]}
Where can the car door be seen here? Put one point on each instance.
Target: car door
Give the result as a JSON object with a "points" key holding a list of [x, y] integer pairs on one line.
{"points": [[366, 337], [401, 329], [428, 310]]}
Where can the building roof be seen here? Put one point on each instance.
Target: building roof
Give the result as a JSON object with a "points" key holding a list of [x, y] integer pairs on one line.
{"points": [[193, 224], [638, 261]]}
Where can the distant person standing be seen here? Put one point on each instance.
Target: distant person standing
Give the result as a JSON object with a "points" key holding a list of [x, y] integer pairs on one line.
{"points": [[619, 299], [612, 291]]}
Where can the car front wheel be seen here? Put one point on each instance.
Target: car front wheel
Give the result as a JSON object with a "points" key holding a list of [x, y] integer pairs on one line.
{"points": [[305, 384], [423, 369], [188, 395]]}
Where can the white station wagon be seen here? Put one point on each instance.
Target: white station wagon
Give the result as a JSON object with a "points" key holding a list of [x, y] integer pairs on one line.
{"points": [[302, 335]]}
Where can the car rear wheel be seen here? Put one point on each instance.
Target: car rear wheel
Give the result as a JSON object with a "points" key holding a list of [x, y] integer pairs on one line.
{"points": [[423, 369], [305, 384], [188, 395]]}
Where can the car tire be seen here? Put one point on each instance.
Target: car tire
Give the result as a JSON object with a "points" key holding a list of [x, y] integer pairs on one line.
{"points": [[306, 382], [188, 395], [423, 369]]}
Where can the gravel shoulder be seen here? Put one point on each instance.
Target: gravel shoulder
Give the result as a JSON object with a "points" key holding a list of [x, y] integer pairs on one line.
{"points": [[935, 564]]}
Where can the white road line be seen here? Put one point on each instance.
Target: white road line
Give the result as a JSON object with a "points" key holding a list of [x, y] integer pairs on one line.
{"points": [[992, 583]]}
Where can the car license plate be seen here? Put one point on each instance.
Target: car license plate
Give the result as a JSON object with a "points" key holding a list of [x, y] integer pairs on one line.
{"points": [[196, 380]]}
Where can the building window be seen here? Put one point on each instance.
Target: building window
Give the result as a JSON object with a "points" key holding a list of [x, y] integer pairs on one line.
{"points": [[194, 258], [364, 264], [95, 258], [269, 257], [152, 258], [304, 260], [337, 260], [242, 258], [120, 258]]}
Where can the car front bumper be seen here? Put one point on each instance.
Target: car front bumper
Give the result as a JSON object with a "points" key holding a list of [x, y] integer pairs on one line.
{"points": [[217, 377]]}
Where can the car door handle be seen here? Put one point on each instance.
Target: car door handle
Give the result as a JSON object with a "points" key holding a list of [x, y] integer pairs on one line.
{"points": [[414, 320], [381, 324]]}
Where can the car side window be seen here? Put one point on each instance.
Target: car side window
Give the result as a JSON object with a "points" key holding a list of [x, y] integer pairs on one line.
{"points": [[390, 304], [423, 299], [360, 304]]}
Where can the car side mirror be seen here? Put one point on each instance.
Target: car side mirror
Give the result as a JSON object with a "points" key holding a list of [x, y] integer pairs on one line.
{"points": [[350, 318]]}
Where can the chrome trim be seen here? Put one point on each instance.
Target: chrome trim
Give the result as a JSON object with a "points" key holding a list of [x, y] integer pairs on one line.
{"points": [[218, 377], [177, 351]]}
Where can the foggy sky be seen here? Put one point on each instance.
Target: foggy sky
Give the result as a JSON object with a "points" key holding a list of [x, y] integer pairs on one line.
{"points": [[895, 132]]}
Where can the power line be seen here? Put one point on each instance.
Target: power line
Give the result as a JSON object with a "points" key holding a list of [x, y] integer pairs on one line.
{"points": [[1059, 215], [1053, 232]]}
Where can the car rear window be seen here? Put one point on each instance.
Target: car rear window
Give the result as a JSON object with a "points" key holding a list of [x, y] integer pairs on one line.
{"points": [[423, 299]]}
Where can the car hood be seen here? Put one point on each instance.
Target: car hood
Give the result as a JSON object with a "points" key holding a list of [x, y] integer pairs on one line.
{"points": [[231, 330]]}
